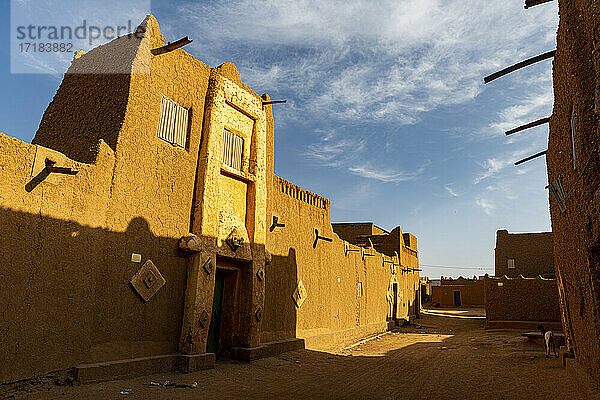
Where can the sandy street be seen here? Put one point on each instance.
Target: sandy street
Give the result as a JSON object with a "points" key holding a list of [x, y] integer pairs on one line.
{"points": [[450, 357]]}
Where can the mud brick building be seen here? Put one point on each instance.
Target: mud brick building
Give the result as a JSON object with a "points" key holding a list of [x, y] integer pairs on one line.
{"points": [[401, 248], [527, 254], [521, 302], [460, 292], [144, 229], [574, 177]]}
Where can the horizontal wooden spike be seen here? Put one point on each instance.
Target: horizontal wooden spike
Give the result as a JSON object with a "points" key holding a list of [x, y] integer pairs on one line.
{"points": [[541, 153], [518, 66], [529, 125]]}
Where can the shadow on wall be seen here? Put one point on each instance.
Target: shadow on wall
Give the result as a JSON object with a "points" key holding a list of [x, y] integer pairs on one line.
{"points": [[279, 322], [67, 297], [91, 102]]}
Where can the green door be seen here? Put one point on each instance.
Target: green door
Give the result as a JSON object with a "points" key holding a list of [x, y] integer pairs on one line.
{"points": [[212, 346], [457, 298]]}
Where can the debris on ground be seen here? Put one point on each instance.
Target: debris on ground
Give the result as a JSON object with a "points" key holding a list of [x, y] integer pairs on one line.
{"points": [[126, 391], [169, 384]]}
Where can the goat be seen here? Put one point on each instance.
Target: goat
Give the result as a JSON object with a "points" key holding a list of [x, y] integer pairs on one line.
{"points": [[548, 340]]}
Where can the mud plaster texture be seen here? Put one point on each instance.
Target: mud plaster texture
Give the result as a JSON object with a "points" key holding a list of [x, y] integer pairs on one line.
{"points": [[521, 299], [332, 276], [67, 241], [471, 293], [577, 230], [533, 254]]}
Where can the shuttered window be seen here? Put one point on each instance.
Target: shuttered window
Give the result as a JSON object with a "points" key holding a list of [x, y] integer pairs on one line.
{"points": [[173, 122], [233, 149], [511, 263]]}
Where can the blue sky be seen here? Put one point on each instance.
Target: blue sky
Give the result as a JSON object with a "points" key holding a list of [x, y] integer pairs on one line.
{"points": [[386, 115]]}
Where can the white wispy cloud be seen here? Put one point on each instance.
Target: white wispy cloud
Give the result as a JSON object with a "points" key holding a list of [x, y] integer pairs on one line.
{"points": [[451, 191], [385, 175], [365, 60], [486, 205], [492, 167], [530, 109]]}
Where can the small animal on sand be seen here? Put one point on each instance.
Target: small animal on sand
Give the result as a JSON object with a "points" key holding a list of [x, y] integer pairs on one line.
{"points": [[548, 340]]}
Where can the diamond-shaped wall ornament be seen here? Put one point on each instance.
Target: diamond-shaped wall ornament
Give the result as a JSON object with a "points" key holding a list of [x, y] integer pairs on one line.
{"points": [[260, 274], [147, 281], [235, 240], [208, 265], [258, 314], [299, 294], [204, 319]]}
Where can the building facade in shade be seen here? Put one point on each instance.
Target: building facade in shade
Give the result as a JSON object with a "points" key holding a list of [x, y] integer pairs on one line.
{"points": [[145, 222], [574, 177], [460, 292], [527, 254]]}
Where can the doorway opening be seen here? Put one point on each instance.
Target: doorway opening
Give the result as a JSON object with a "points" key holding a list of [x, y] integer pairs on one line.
{"points": [[226, 323], [457, 298], [395, 303]]}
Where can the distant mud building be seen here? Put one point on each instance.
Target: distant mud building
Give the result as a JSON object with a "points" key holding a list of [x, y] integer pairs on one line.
{"points": [[527, 254], [460, 292], [521, 303], [523, 292], [145, 224]]}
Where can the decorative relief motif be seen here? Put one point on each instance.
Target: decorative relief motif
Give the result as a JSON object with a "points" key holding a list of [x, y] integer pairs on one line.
{"points": [[204, 319], [258, 314], [260, 274], [147, 281], [299, 294], [235, 240], [209, 265]]}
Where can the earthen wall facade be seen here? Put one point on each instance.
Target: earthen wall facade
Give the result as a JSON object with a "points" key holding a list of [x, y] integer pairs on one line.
{"points": [[573, 160], [70, 242], [521, 299]]}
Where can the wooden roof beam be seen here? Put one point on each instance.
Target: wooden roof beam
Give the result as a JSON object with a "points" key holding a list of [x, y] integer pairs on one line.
{"points": [[532, 3], [541, 153], [529, 125], [520, 65], [171, 46]]}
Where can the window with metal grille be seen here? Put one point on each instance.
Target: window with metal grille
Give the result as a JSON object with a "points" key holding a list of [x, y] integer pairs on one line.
{"points": [[233, 149], [511, 263], [173, 122]]}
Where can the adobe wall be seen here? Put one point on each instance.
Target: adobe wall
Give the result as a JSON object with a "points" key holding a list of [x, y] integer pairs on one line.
{"points": [[459, 281], [68, 240], [353, 231], [471, 295], [332, 305], [533, 254], [71, 238], [577, 230], [521, 299]]}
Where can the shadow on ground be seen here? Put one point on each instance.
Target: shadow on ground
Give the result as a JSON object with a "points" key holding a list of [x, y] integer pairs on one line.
{"points": [[447, 358]]}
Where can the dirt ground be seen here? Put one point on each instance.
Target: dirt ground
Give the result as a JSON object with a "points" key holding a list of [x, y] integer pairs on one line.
{"points": [[450, 357]]}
